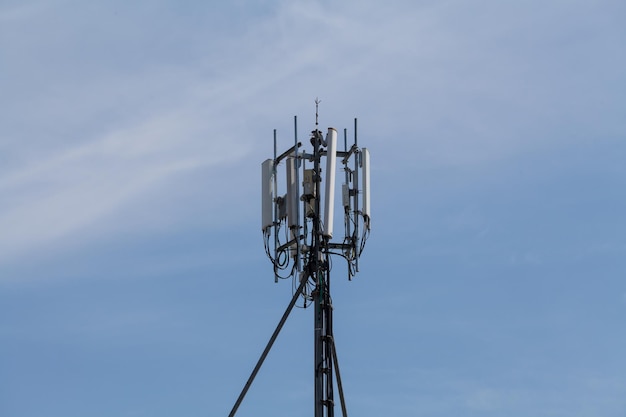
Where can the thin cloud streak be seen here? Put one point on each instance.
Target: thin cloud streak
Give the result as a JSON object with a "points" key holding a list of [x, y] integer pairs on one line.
{"points": [[68, 191], [176, 118]]}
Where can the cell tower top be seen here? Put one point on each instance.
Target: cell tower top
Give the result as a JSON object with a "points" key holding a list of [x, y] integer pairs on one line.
{"points": [[304, 212], [298, 225]]}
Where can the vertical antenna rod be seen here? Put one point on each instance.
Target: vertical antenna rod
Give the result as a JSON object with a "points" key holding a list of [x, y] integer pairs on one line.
{"points": [[324, 403], [356, 196], [275, 205], [297, 196], [317, 104]]}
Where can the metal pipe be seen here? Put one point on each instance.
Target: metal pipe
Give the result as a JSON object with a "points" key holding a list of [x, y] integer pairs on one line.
{"points": [[349, 153], [347, 171], [328, 349], [288, 152]]}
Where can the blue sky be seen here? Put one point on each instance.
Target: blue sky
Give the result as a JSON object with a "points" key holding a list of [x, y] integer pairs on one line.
{"points": [[133, 280]]}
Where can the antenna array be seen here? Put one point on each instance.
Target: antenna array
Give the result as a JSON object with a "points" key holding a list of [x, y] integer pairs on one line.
{"points": [[289, 220]]}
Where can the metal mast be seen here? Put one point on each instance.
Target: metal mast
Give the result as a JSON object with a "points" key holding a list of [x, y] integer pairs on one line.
{"points": [[320, 271], [323, 319]]}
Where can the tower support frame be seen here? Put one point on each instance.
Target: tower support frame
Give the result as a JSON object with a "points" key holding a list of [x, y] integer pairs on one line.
{"points": [[306, 255]]}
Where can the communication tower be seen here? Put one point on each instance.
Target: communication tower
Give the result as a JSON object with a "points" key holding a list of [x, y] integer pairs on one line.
{"points": [[298, 232]]}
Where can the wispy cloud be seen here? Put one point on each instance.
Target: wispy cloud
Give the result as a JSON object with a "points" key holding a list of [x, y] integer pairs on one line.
{"points": [[87, 133], [62, 192]]}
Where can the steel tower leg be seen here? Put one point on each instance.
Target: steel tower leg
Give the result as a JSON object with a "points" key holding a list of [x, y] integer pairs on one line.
{"points": [[319, 355], [324, 399]]}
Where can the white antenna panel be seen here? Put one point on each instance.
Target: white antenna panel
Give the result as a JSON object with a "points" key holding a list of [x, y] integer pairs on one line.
{"points": [[331, 168], [366, 185], [292, 193], [267, 194]]}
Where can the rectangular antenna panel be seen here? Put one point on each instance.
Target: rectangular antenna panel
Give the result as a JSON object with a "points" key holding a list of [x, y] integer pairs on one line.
{"points": [[331, 167], [345, 195], [309, 183], [292, 193], [267, 194], [366, 183], [281, 209]]}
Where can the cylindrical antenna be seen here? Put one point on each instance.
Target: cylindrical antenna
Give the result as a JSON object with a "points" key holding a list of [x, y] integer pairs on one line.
{"points": [[292, 199], [331, 167], [317, 104]]}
